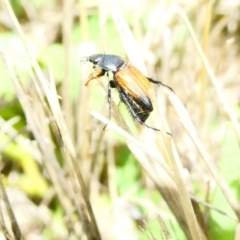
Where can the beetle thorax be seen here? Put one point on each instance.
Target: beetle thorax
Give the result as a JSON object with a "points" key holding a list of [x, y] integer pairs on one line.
{"points": [[111, 63]]}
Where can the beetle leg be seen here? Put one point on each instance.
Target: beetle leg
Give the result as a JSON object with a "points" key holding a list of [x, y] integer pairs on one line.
{"points": [[132, 111], [95, 75], [111, 84], [159, 83], [109, 96]]}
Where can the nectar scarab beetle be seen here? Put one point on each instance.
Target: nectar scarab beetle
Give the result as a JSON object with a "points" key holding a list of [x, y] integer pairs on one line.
{"points": [[132, 86]]}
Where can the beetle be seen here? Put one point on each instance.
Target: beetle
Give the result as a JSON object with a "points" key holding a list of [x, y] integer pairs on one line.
{"points": [[132, 86]]}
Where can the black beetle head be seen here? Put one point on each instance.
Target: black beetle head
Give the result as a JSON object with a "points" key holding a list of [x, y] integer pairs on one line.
{"points": [[107, 62], [96, 58]]}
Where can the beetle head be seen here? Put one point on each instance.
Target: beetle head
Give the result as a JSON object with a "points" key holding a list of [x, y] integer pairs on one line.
{"points": [[107, 62], [96, 58]]}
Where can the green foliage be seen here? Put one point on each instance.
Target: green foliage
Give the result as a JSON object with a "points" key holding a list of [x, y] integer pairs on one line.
{"points": [[10, 109], [31, 175], [57, 229], [16, 56], [222, 227], [130, 170]]}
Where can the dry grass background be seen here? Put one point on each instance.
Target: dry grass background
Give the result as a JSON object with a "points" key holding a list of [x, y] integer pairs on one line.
{"points": [[67, 176]]}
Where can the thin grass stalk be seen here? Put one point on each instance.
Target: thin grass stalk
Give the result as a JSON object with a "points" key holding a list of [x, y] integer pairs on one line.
{"points": [[72, 166], [165, 231], [210, 166], [157, 170], [209, 206], [183, 194], [206, 30], [188, 125], [51, 164], [66, 83], [129, 42], [133, 50], [212, 76], [83, 20], [82, 103], [63, 136], [14, 224], [111, 172], [82, 119]]}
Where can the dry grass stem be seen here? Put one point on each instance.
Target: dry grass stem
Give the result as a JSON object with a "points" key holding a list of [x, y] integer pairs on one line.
{"points": [[76, 152]]}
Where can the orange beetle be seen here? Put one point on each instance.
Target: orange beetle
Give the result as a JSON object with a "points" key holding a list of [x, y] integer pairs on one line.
{"points": [[132, 86]]}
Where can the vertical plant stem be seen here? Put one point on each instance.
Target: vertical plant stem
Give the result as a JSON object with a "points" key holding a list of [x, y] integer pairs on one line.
{"points": [[66, 84], [203, 76]]}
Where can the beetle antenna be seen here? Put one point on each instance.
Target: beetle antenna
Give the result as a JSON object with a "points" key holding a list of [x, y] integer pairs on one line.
{"points": [[84, 59]]}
